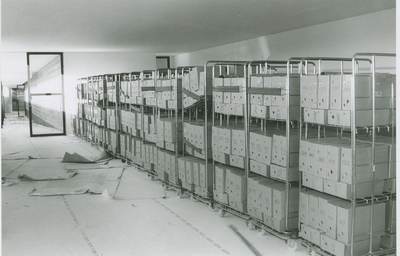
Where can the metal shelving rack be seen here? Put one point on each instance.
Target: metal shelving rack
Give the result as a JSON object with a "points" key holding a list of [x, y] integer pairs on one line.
{"points": [[125, 131], [133, 107], [275, 87], [148, 103], [78, 119], [196, 100], [169, 109], [112, 127], [235, 164], [359, 124]]}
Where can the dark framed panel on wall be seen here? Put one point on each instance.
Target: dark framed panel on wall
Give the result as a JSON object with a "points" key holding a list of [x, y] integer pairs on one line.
{"points": [[46, 93], [162, 62]]}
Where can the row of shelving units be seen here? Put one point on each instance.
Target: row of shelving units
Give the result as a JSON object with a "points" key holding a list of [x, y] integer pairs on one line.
{"points": [[274, 100], [169, 126], [146, 99], [195, 167], [229, 136], [347, 157], [90, 121], [303, 149]]}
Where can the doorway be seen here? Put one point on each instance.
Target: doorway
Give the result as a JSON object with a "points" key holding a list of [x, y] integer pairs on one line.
{"points": [[46, 94]]}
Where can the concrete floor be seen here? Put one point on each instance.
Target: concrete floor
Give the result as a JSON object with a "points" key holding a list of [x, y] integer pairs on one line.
{"points": [[141, 219]]}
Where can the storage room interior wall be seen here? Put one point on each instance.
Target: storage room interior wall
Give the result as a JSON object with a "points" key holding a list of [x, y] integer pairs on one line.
{"points": [[374, 32]]}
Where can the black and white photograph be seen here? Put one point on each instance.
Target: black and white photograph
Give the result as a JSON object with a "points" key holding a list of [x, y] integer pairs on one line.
{"points": [[198, 127]]}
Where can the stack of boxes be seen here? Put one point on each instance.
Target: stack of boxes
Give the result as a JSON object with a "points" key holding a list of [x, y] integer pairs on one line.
{"points": [[169, 139], [228, 145], [326, 99], [192, 172], [98, 115], [128, 123], [136, 145], [229, 103], [230, 187], [149, 127], [149, 156], [266, 202], [169, 129], [170, 97], [265, 106], [112, 113], [327, 221], [228, 141], [274, 154], [166, 166], [196, 134], [193, 84], [147, 100], [268, 154], [327, 164], [125, 89], [134, 90]]}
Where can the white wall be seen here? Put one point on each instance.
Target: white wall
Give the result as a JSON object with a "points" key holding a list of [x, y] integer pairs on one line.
{"points": [[374, 32], [84, 64]]}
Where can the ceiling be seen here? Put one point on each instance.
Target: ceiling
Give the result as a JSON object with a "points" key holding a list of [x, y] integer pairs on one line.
{"points": [[164, 27], [161, 26]]}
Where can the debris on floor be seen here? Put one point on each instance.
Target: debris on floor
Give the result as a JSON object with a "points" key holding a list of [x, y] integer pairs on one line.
{"points": [[244, 240], [42, 177], [77, 158], [94, 181], [5, 183]]}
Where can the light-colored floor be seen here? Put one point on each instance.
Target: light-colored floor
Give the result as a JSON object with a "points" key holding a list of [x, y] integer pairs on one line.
{"points": [[141, 219]]}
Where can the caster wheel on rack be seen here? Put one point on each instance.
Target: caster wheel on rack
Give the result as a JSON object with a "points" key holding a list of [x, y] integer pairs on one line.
{"points": [[152, 178], [292, 244], [179, 194], [313, 253], [250, 225], [123, 160], [212, 207], [193, 198], [261, 231], [221, 213]]}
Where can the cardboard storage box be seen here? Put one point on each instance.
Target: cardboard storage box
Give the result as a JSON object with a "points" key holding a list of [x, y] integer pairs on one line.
{"points": [[310, 234], [323, 91], [313, 182], [315, 116], [388, 240], [284, 173], [309, 91], [280, 203], [338, 248], [343, 190], [259, 168], [281, 225], [235, 184]]}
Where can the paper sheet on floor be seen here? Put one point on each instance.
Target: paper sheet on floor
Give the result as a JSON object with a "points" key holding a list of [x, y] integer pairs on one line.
{"points": [[39, 177], [87, 181], [77, 158]]}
